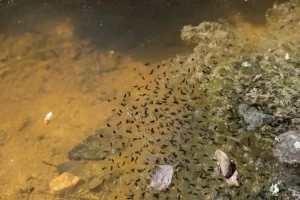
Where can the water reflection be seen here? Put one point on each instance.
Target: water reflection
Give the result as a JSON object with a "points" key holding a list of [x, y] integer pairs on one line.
{"points": [[142, 29], [69, 57]]}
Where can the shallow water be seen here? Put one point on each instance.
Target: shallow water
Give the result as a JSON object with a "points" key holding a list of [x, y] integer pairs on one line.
{"points": [[69, 58]]}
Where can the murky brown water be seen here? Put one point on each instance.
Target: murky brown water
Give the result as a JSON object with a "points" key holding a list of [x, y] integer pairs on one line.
{"points": [[69, 58]]}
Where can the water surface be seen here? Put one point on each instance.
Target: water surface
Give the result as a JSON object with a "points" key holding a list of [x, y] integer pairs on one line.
{"points": [[69, 57]]}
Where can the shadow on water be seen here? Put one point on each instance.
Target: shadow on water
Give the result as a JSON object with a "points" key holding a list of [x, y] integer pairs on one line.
{"points": [[142, 29]]}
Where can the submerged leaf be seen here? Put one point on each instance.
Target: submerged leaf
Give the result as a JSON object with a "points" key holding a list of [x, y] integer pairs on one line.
{"points": [[224, 163], [227, 168], [162, 178], [232, 181]]}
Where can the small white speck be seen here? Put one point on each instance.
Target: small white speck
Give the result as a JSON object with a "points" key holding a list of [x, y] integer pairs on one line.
{"points": [[274, 189], [48, 117], [113, 151], [267, 57], [297, 145], [246, 64], [11, 160], [287, 56]]}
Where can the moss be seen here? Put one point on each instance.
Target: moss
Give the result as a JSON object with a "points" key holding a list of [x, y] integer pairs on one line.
{"points": [[234, 61]]}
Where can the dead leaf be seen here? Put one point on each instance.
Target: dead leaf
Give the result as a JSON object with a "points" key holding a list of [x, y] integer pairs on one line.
{"points": [[162, 178], [227, 169], [224, 163], [232, 181]]}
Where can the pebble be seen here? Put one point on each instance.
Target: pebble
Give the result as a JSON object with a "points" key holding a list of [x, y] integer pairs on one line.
{"points": [[65, 184]]}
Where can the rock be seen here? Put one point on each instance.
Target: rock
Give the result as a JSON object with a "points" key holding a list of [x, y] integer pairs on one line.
{"points": [[94, 147], [295, 194], [288, 183], [65, 184], [224, 163], [253, 117], [287, 147]]}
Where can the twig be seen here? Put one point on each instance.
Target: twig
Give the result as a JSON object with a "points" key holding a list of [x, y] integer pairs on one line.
{"points": [[175, 165]]}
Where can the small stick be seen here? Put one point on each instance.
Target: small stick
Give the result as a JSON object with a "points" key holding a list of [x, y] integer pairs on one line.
{"points": [[175, 165]]}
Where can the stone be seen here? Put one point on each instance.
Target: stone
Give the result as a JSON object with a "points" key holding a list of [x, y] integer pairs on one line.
{"points": [[65, 184], [289, 183], [295, 194], [94, 147], [253, 117], [287, 147]]}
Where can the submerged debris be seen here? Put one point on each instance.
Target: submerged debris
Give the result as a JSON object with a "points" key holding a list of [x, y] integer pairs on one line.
{"points": [[48, 118], [232, 180], [162, 178], [287, 147], [274, 189], [65, 184], [225, 164]]}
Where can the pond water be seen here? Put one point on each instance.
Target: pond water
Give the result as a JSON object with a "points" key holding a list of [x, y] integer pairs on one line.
{"points": [[69, 58]]}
